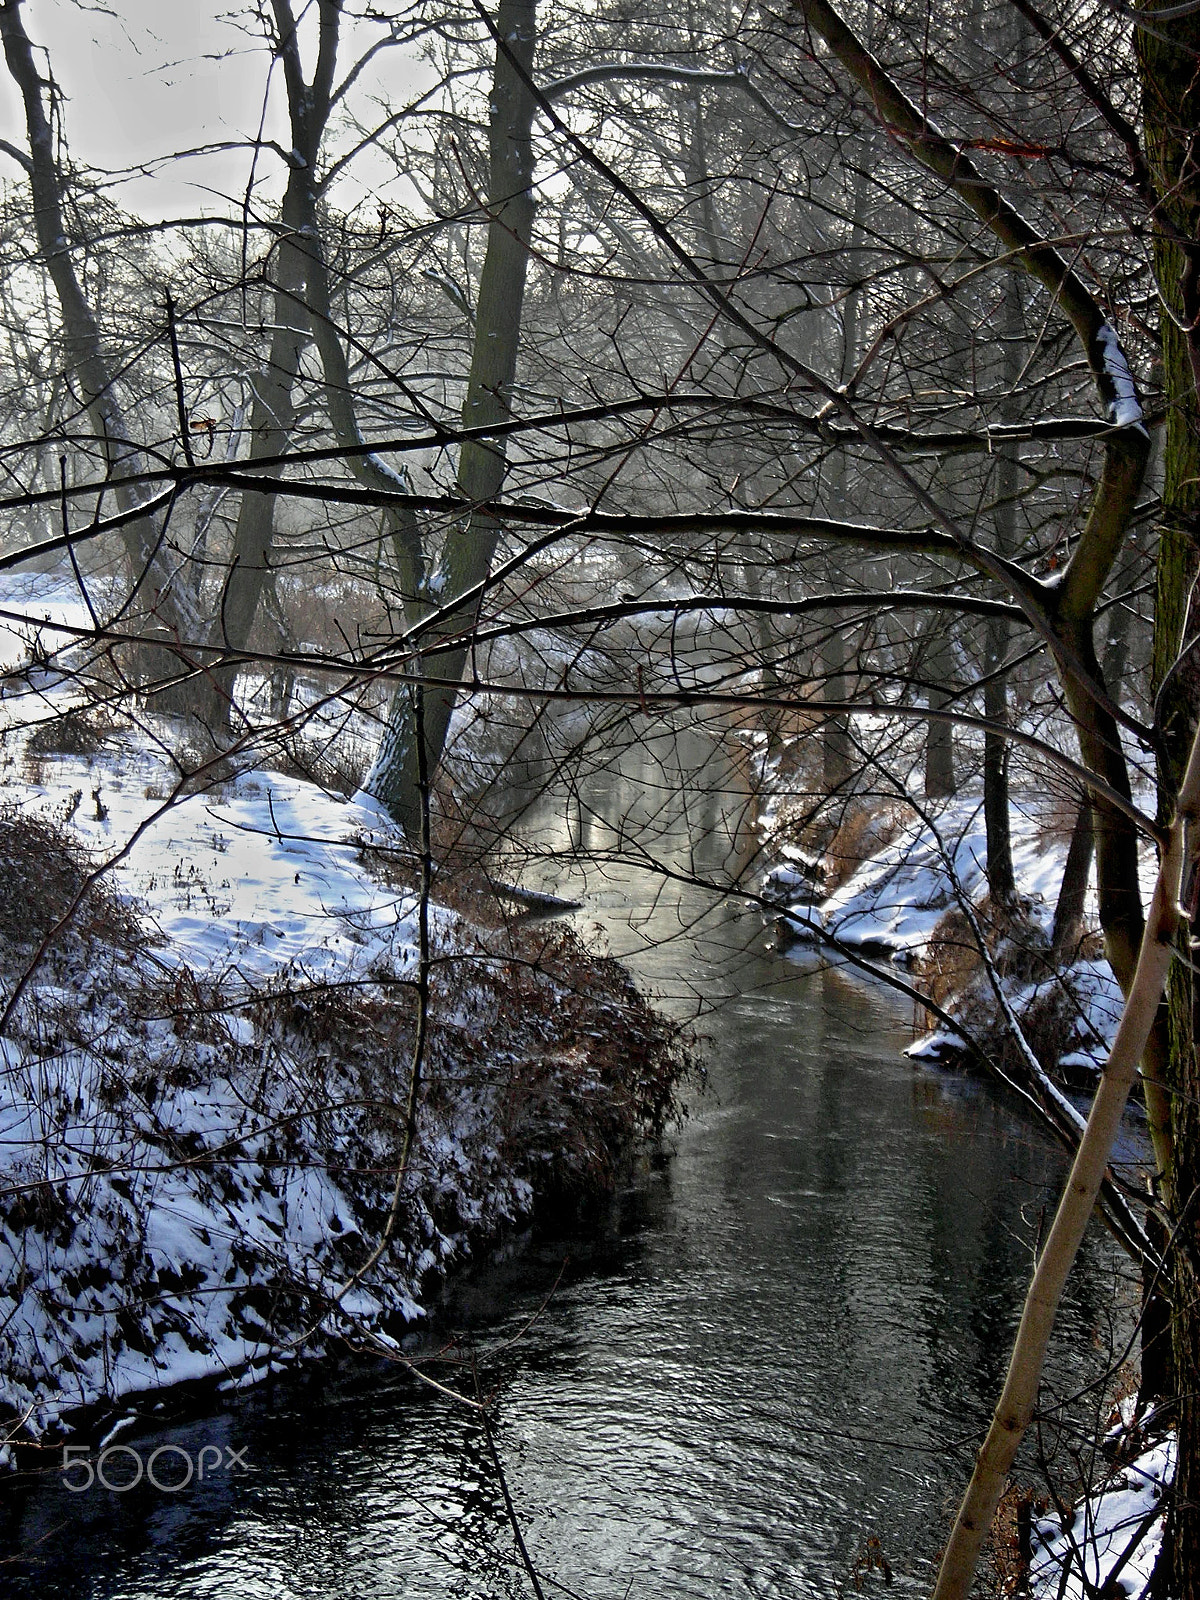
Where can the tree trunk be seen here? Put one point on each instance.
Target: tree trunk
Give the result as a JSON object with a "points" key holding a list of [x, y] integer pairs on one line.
{"points": [[1002, 882], [271, 417], [838, 745], [273, 411], [1115, 838], [163, 603], [940, 781], [466, 560], [1171, 109], [1072, 894], [1068, 605], [1072, 891]]}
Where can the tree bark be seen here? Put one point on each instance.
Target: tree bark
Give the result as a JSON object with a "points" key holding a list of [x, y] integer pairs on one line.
{"points": [[838, 745], [1002, 882], [940, 780], [1167, 55], [273, 411], [1117, 887], [1072, 894], [1072, 891], [1171, 92], [1015, 1408], [466, 559]]}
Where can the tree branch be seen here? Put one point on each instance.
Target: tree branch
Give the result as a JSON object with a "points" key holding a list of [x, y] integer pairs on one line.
{"points": [[1015, 1408]]}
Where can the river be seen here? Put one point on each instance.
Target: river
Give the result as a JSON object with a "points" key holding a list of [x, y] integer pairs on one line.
{"points": [[769, 1370]]}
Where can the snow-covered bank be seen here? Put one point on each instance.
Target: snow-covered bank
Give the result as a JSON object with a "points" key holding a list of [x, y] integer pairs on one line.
{"points": [[204, 1085], [904, 902], [1111, 1541]]}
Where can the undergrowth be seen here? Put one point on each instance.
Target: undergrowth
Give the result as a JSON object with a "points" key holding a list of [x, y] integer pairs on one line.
{"points": [[207, 1159]]}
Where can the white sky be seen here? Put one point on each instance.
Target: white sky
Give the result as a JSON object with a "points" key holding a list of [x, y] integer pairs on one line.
{"points": [[146, 78]]}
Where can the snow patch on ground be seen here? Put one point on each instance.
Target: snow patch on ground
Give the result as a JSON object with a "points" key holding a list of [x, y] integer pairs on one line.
{"points": [[1113, 1538], [37, 612]]}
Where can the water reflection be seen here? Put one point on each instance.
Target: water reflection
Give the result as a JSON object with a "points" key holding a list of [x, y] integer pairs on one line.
{"points": [[786, 1344]]}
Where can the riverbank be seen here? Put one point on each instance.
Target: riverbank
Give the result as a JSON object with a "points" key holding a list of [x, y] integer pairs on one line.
{"points": [[1109, 1541], [208, 1062], [906, 887]]}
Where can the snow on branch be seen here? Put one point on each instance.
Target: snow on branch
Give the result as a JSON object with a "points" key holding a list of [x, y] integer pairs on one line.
{"points": [[1124, 409]]}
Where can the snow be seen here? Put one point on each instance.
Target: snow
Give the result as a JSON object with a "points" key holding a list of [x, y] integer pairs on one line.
{"points": [[118, 1428], [373, 810], [199, 1133], [1118, 1526], [933, 1046], [1124, 411], [897, 897], [788, 881], [892, 904], [35, 609], [259, 878], [250, 877]]}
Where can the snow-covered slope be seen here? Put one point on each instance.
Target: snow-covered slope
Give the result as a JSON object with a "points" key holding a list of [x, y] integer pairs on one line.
{"points": [[1111, 1543], [204, 1079], [894, 906]]}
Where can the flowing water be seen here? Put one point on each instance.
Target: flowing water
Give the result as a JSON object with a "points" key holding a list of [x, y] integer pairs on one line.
{"points": [[769, 1371]]}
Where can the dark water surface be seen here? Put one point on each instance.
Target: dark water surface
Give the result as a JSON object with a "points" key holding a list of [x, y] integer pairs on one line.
{"points": [[782, 1349]]}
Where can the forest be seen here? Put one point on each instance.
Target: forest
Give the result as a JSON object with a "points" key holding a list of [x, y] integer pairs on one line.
{"points": [[599, 686]]}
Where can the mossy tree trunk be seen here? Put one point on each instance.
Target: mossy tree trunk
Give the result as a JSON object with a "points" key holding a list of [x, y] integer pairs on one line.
{"points": [[1167, 55]]}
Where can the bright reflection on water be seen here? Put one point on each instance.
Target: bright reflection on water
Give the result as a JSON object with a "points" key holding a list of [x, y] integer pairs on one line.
{"points": [[783, 1347]]}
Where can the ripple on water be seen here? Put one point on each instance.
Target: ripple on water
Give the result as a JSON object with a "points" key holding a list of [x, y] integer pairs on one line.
{"points": [[768, 1366]]}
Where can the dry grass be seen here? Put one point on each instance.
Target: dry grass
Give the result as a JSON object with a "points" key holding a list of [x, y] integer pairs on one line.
{"points": [[1006, 1553], [950, 960], [43, 870], [81, 731], [951, 972], [862, 831]]}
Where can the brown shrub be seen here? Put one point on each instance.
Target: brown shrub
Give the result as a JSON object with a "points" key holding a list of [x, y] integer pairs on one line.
{"points": [[43, 870], [78, 732], [862, 831], [950, 960], [951, 970], [1007, 1548]]}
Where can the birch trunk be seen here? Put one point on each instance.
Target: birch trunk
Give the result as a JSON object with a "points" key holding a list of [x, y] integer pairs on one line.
{"points": [[1015, 1408]]}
